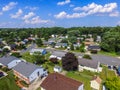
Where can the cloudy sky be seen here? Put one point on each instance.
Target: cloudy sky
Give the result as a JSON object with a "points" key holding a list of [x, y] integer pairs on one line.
{"points": [[64, 13]]}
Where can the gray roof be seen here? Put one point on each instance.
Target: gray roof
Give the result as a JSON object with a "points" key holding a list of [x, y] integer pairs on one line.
{"points": [[26, 68], [7, 59], [58, 53], [88, 63], [61, 44], [93, 47]]}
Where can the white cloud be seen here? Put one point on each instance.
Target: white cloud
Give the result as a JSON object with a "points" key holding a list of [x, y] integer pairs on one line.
{"points": [[114, 14], [96, 8], [118, 23], [90, 9], [29, 15], [9, 6], [31, 8], [77, 8], [71, 5], [36, 20], [18, 14], [64, 2], [63, 14]]}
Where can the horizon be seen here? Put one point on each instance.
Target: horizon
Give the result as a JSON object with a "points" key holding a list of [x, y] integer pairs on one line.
{"points": [[59, 13]]}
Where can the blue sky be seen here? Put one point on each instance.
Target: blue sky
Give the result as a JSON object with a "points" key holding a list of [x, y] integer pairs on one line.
{"points": [[63, 13]]}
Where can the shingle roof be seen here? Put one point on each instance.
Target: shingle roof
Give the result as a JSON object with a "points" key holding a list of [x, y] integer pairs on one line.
{"points": [[93, 47], [26, 68], [97, 79], [88, 63], [36, 50], [57, 81], [58, 53], [6, 60], [61, 44]]}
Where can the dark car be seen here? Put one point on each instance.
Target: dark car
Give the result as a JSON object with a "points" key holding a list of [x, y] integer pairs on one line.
{"points": [[1, 74]]}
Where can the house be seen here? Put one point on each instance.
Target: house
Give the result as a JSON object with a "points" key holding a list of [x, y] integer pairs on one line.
{"points": [[57, 69], [118, 70], [95, 83], [28, 71], [56, 81], [42, 51], [98, 39], [89, 41], [57, 54], [45, 43], [94, 48], [58, 45], [91, 65], [9, 61]]}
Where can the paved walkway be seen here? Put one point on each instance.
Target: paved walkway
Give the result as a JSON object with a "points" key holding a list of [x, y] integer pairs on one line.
{"points": [[35, 84]]}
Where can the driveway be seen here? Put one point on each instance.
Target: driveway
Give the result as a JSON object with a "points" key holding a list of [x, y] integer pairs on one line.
{"points": [[35, 84]]}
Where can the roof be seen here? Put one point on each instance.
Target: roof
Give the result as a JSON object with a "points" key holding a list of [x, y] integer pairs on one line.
{"points": [[36, 50], [97, 79], [58, 53], [93, 47], [88, 63], [7, 59], [26, 68], [61, 44], [57, 81]]}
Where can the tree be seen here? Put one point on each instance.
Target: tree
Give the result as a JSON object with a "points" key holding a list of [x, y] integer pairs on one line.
{"points": [[54, 60], [69, 62], [71, 47], [82, 47], [112, 83], [39, 42], [86, 56], [38, 58], [111, 40], [16, 54]]}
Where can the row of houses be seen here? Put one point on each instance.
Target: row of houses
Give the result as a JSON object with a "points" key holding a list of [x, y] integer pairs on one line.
{"points": [[26, 71], [56, 81], [91, 65]]}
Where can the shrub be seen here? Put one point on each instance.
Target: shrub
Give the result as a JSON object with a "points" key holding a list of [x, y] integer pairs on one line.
{"points": [[86, 56], [54, 60]]}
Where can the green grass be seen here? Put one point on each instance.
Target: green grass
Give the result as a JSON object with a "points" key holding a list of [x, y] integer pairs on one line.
{"points": [[8, 82], [106, 73], [84, 77], [108, 53]]}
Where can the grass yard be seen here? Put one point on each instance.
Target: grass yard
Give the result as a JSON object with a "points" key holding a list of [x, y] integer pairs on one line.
{"points": [[108, 53], [8, 82], [106, 73], [84, 77]]}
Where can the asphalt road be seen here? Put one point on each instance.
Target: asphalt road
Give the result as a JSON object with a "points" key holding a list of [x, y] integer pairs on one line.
{"points": [[108, 60]]}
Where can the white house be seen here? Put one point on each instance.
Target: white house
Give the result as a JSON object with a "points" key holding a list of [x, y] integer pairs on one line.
{"points": [[95, 83], [57, 69], [56, 81], [42, 51], [57, 54], [9, 61], [91, 65], [28, 71]]}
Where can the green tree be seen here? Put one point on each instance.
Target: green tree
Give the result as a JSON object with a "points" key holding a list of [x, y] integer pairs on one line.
{"points": [[71, 47], [112, 83], [39, 42], [86, 56]]}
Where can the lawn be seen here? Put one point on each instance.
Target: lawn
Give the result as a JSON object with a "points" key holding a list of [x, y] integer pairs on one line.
{"points": [[83, 77], [108, 53], [106, 73], [8, 82]]}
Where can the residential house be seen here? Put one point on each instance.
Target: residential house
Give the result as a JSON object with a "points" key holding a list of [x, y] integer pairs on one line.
{"points": [[42, 51], [57, 54], [95, 83], [89, 41], [9, 61], [28, 71], [91, 65], [45, 43], [56, 81], [58, 45], [98, 39], [57, 69]]}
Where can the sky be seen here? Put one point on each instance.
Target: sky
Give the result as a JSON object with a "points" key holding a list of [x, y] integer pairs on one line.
{"points": [[60, 13]]}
